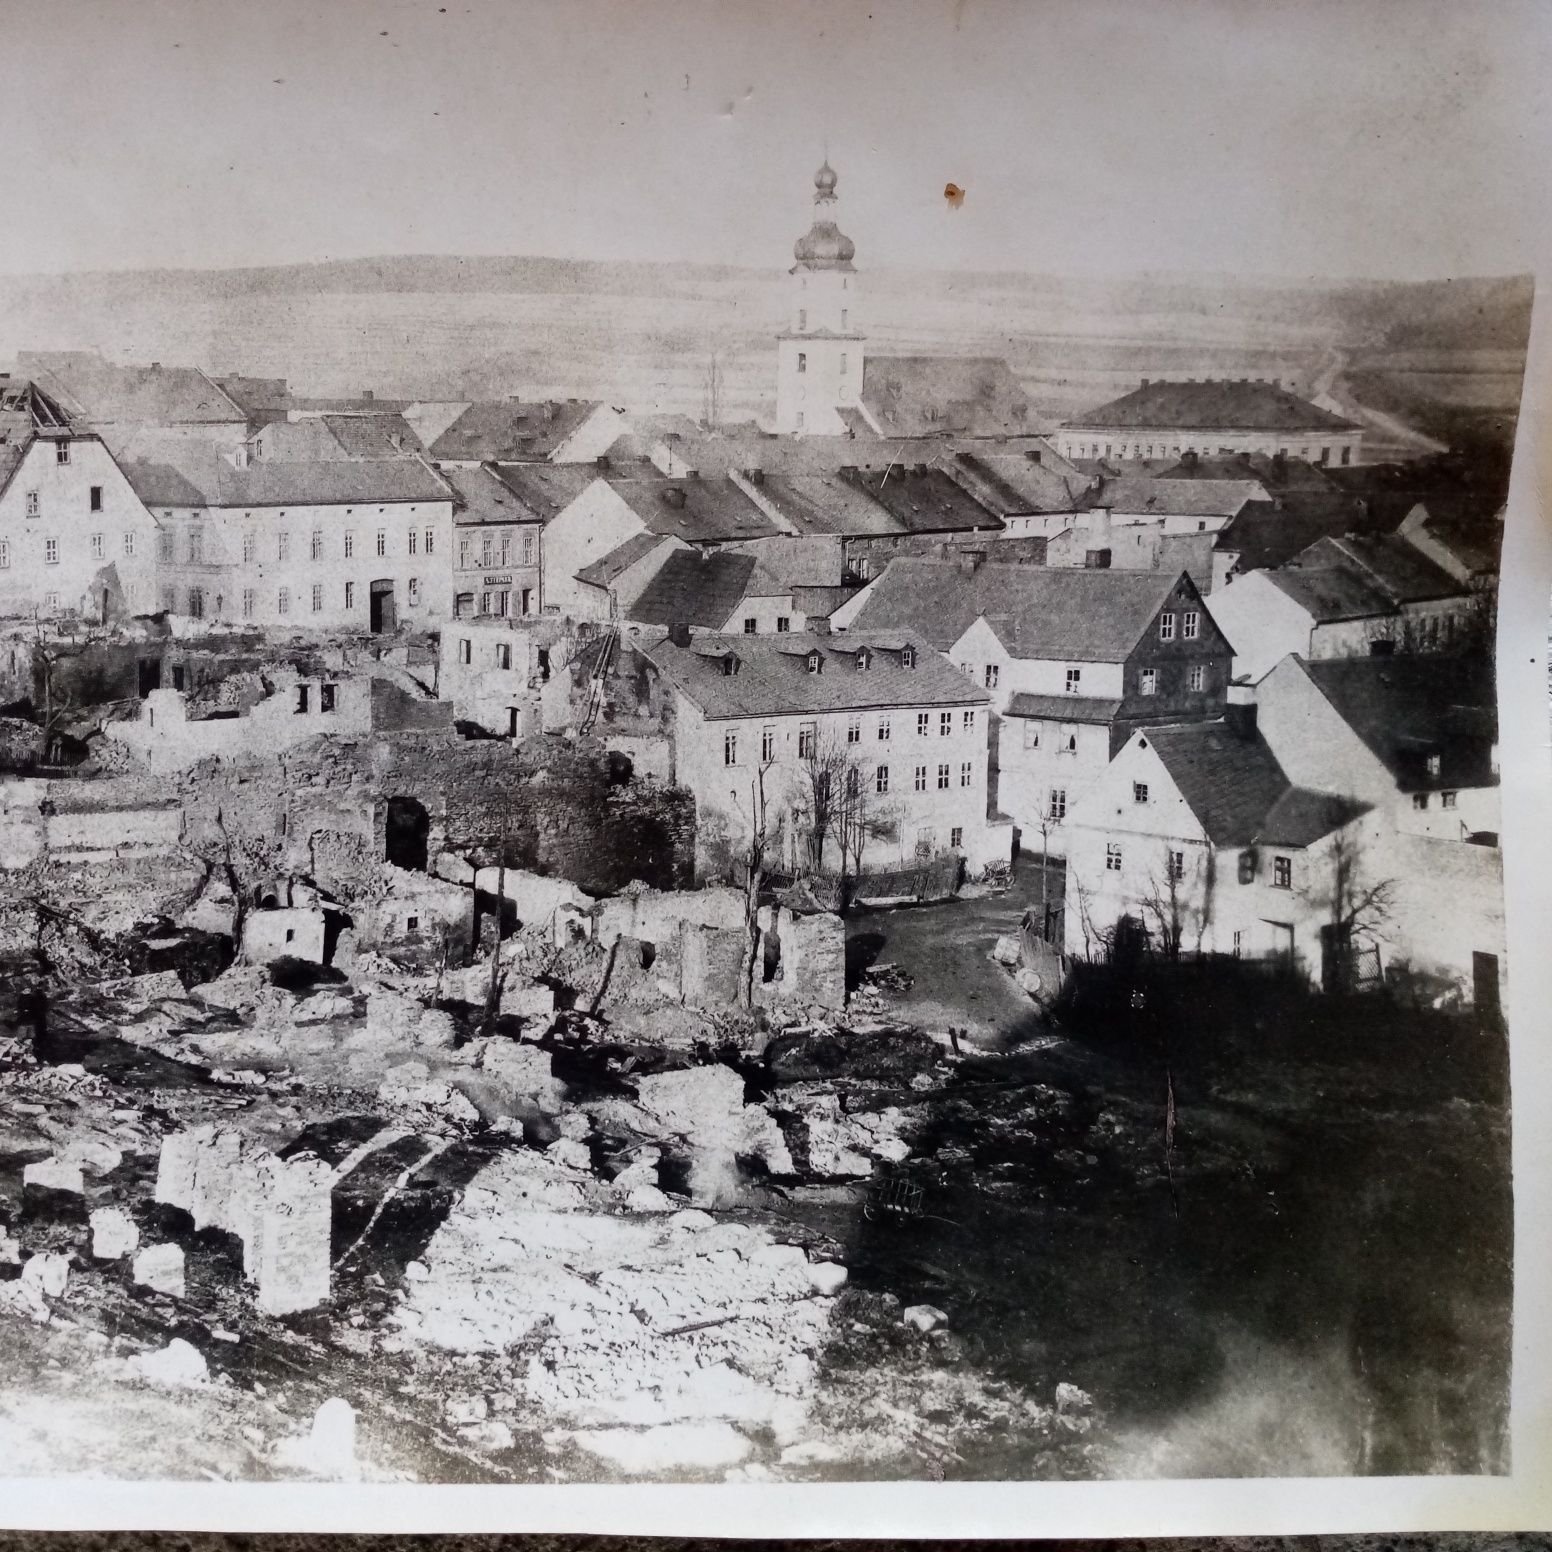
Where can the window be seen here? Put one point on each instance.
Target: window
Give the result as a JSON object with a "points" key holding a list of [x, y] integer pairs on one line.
{"points": [[1197, 678], [96, 546], [528, 549], [33, 507], [463, 554], [783, 624], [800, 420], [767, 745], [1177, 865], [350, 595], [907, 655], [382, 541], [487, 551], [751, 625], [503, 654], [1148, 683], [301, 699], [484, 603], [1282, 872], [414, 545], [920, 779], [1057, 807], [51, 552], [249, 598], [1191, 625], [881, 779], [853, 781], [316, 549], [129, 544], [864, 660], [164, 544], [943, 776], [1420, 801], [1031, 733], [815, 663], [808, 736], [1139, 792], [1067, 742], [945, 723], [465, 650], [326, 696], [463, 605], [5, 554], [923, 723], [1112, 857], [283, 546], [802, 361], [1447, 799], [414, 592], [883, 730], [51, 601], [283, 601], [1239, 943], [843, 353], [431, 541], [1434, 765], [61, 452], [1166, 627], [94, 499], [1074, 677], [969, 721], [249, 544], [730, 748], [196, 546], [317, 598], [854, 731], [965, 770], [350, 544], [992, 673], [412, 924], [1247, 867], [956, 838], [1347, 455]]}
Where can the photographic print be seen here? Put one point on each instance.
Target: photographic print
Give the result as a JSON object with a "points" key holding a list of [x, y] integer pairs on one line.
{"points": [[758, 744]]}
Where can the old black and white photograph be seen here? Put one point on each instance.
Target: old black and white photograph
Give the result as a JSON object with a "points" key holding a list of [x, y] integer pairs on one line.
{"points": [[759, 743]]}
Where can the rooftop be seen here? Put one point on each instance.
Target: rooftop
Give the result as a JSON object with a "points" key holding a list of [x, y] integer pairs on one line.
{"points": [[1173, 497], [921, 498], [1351, 577], [692, 588], [509, 431], [104, 392], [603, 571], [824, 504], [922, 396], [773, 676], [1018, 483], [479, 496], [1215, 404], [699, 510], [544, 490]]}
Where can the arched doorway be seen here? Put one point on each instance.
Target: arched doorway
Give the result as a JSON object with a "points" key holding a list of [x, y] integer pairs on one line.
{"points": [[405, 832]]}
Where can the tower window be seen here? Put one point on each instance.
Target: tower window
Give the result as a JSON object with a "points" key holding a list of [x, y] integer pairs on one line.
{"points": [[802, 361], [843, 323], [802, 318]]}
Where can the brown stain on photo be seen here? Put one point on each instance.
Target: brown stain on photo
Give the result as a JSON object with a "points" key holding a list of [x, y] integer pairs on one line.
{"points": [[954, 195]]}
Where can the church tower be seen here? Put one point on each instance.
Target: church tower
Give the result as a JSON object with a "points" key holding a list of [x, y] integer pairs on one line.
{"points": [[819, 353]]}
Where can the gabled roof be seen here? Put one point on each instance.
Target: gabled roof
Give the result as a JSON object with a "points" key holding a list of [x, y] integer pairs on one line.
{"points": [[1036, 612], [509, 431], [603, 571], [825, 504], [1389, 564], [1267, 534], [1172, 497], [923, 396], [1408, 708], [922, 498], [1013, 484], [1238, 792], [1330, 593], [337, 436], [104, 392], [1063, 708], [480, 497], [773, 678], [695, 509], [544, 490], [1220, 404], [692, 588]]}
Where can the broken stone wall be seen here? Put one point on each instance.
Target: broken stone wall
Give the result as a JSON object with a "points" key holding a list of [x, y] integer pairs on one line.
{"points": [[291, 932], [655, 916]]}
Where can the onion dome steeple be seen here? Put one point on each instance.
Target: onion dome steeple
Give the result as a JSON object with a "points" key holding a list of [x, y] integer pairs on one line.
{"points": [[824, 245]]}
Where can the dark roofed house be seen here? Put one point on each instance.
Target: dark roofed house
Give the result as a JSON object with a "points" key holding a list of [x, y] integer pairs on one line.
{"points": [[1213, 418], [713, 510], [514, 431], [922, 499], [713, 591]]}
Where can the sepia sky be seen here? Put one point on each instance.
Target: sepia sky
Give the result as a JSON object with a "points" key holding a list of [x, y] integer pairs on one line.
{"points": [[1405, 138]]}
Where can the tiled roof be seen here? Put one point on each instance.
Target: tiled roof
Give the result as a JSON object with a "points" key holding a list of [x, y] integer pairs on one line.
{"points": [[922, 498], [507, 431], [923, 396], [480, 497], [161, 485], [1173, 497], [1407, 708], [1273, 472], [1060, 612], [1270, 533], [825, 504], [1063, 708], [546, 489], [1391, 565], [1330, 593], [375, 436], [1011, 484], [601, 572], [773, 677], [1236, 788], [1220, 404], [692, 588], [108, 393], [698, 510], [820, 602]]}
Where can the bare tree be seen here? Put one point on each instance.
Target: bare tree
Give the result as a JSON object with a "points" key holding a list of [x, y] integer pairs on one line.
{"points": [[764, 836], [825, 767], [1166, 905], [711, 394], [1356, 903]]}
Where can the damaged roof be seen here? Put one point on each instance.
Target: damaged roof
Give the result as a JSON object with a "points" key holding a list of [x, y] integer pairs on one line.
{"points": [[773, 679], [106, 392], [1215, 404]]}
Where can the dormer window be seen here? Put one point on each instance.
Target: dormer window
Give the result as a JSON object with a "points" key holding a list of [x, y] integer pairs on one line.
{"points": [[1434, 765], [815, 662], [908, 656], [729, 664], [864, 659]]}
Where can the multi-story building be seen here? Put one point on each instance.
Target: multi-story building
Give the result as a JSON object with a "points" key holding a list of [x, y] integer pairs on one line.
{"points": [[75, 537], [1214, 418], [359, 544], [881, 720], [496, 545]]}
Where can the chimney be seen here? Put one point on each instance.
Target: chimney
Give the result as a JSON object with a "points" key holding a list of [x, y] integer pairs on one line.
{"points": [[679, 633], [603, 463], [1033, 453], [368, 394], [156, 366], [919, 470], [848, 471], [757, 476], [1145, 382], [1239, 712]]}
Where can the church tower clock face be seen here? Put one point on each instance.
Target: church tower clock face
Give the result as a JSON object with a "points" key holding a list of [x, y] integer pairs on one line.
{"points": [[819, 353]]}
